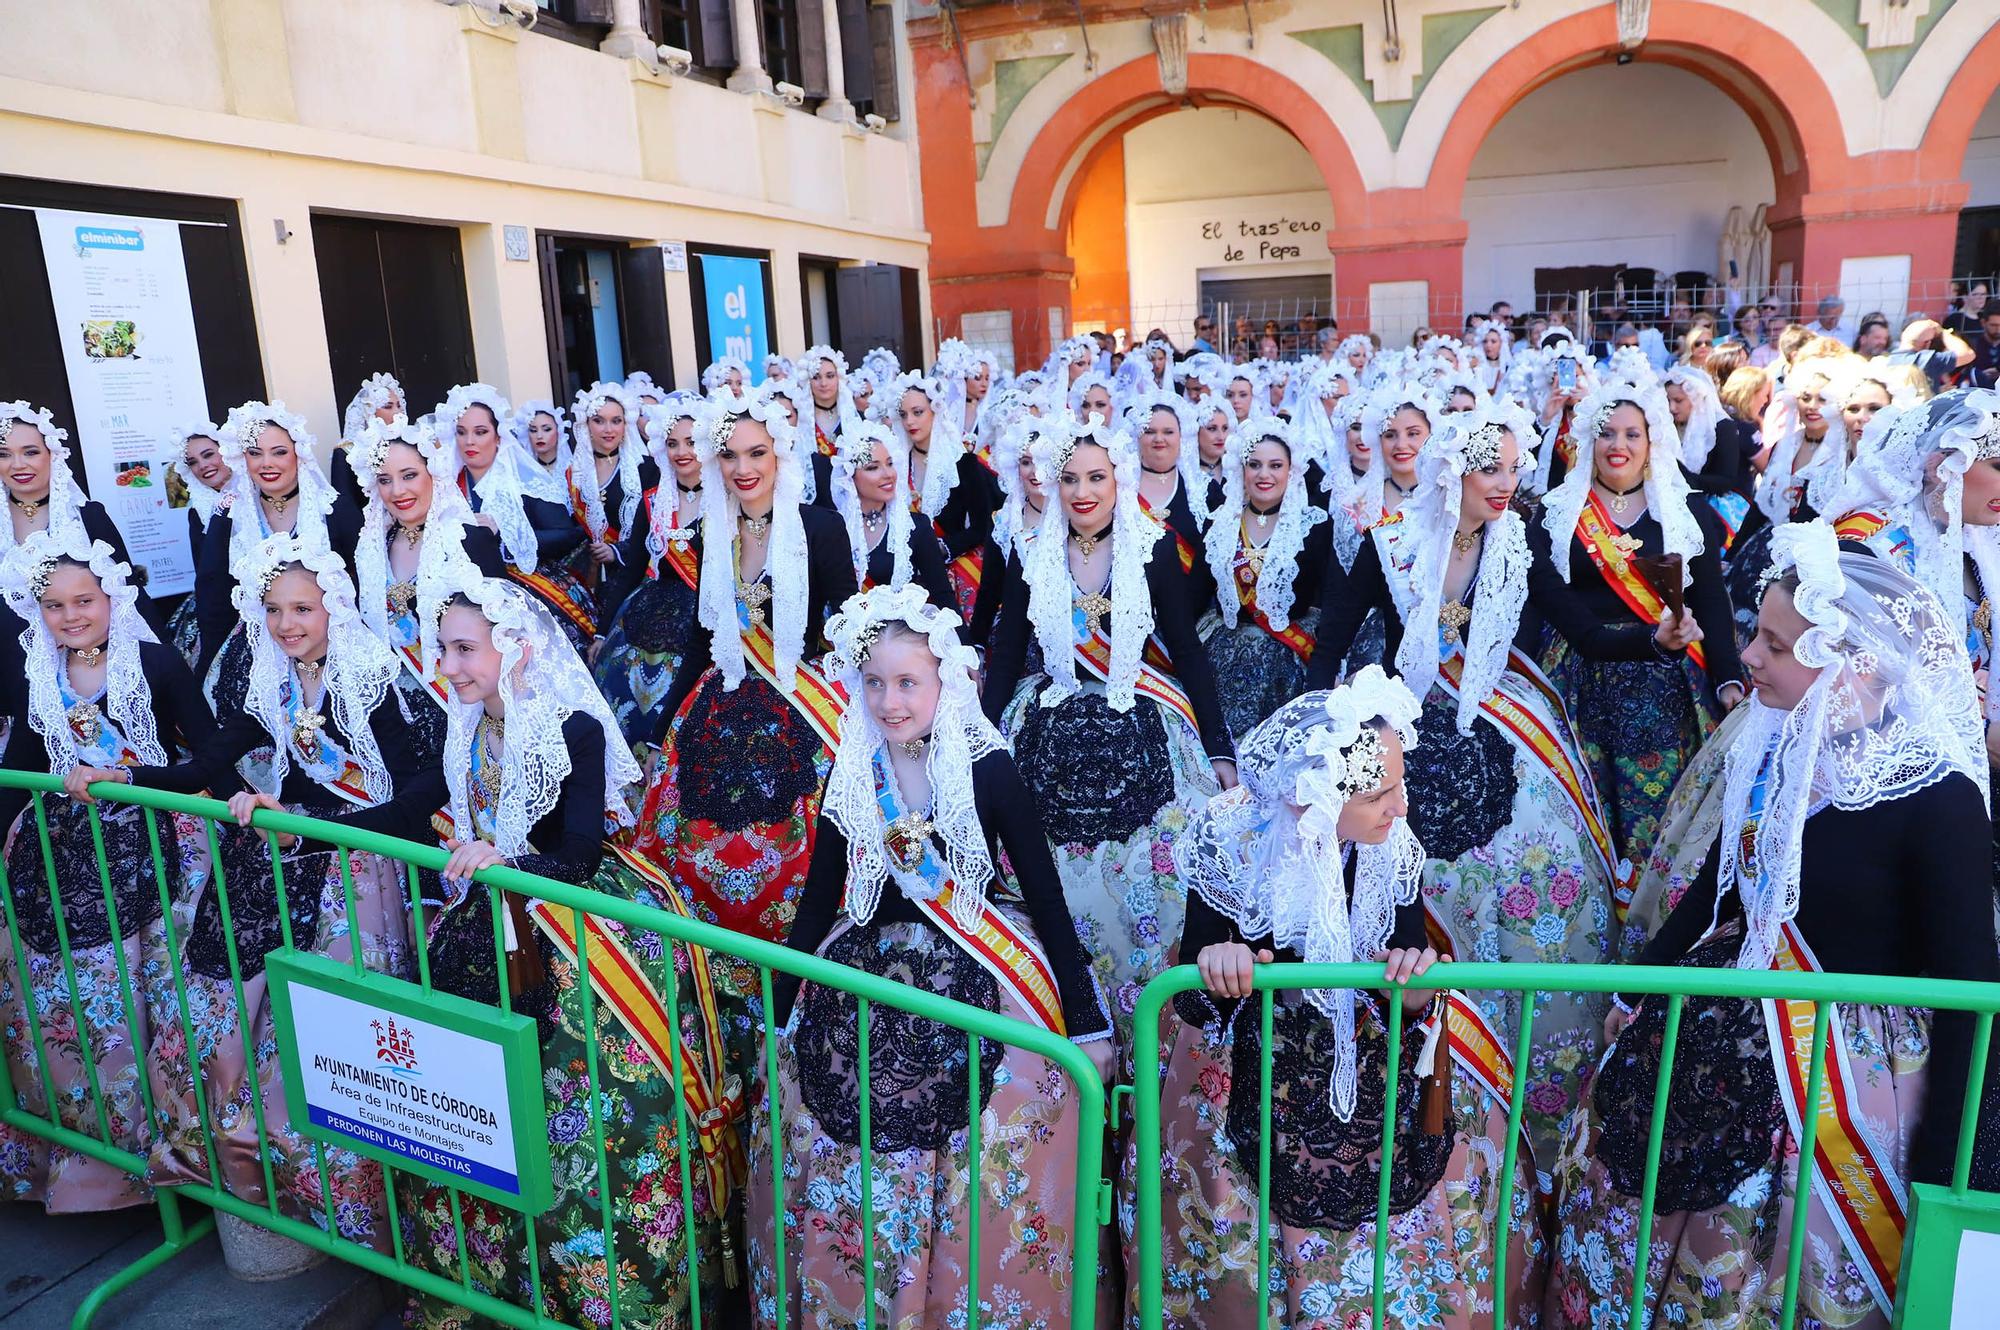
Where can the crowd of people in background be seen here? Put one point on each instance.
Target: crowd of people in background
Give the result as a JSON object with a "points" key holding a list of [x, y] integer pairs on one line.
{"points": [[1648, 641]]}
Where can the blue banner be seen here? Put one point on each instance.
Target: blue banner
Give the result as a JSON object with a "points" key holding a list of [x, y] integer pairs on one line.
{"points": [[736, 320]]}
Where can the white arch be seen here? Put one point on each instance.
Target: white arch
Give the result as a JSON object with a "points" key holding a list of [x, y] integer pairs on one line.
{"points": [[1920, 89]]}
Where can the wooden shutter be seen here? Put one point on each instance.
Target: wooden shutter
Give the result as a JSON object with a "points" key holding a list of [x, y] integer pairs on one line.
{"points": [[713, 34], [882, 44], [857, 52], [642, 272], [812, 48], [590, 11]]}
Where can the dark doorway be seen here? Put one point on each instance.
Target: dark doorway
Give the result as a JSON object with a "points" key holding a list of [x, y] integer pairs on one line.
{"points": [[877, 304], [604, 307], [394, 298], [1978, 253]]}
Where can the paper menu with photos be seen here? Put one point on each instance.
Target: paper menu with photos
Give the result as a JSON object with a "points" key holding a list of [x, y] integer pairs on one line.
{"points": [[126, 326]]}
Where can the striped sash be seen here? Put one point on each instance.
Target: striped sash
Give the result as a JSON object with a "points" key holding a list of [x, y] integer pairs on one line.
{"points": [[820, 700], [1598, 532], [1093, 651]]}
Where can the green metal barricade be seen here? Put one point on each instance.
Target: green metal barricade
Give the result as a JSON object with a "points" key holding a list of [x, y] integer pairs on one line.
{"points": [[1677, 984], [180, 1232]]}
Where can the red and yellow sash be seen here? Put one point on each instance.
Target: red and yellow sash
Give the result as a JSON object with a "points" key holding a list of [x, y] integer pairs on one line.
{"points": [[820, 441], [1008, 954], [820, 700], [1597, 531], [552, 592], [1094, 652], [1852, 1173], [679, 556], [1548, 747], [714, 1103], [1293, 636], [1183, 548], [1468, 1034], [431, 680], [1859, 526]]}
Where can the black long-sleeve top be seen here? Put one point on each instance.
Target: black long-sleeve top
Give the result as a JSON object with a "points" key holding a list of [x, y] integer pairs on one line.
{"points": [[927, 568], [1727, 469], [215, 583], [967, 518], [997, 569], [181, 718], [340, 473], [1348, 595], [557, 532], [829, 582], [1179, 518], [1205, 926], [610, 584], [418, 788], [1173, 620], [635, 560], [569, 838], [1315, 554], [1012, 823], [1895, 889]]}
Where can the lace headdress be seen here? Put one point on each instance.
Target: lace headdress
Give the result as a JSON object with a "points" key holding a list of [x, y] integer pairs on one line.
{"points": [[583, 458], [1268, 856], [443, 526], [377, 391], [1354, 502], [1013, 522], [1705, 413], [1296, 516], [128, 700], [779, 392], [1381, 406], [1313, 426], [315, 493], [203, 499], [1445, 383], [640, 384], [1961, 428], [65, 501], [1466, 441], [716, 377], [1084, 383], [1051, 588], [1194, 481], [1666, 485], [947, 437], [669, 520], [548, 483], [543, 682], [359, 665], [1820, 481], [960, 736], [881, 362], [1892, 711], [785, 558], [856, 449], [853, 384], [1544, 388], [506, 481], [843, 404]]}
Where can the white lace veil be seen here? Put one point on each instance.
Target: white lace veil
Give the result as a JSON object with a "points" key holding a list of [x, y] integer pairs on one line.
{"points": [[1012, 523], [543, 682], [959, 737], [669, 522], [1382, 404], [201, 498], [1297, 516], [1823, 477], [1318, 439], [1194, 481], [359, 665], [785, 560], [843, 404], [1960, 428], [65, 500], [1051, 589], [583, 458], [547, 483], [716, 377], [315, 496], [1892, 711], [855, 448], [1698, 435], [128, 699], [947, 443], [504, 485], [1465, 442], [377, 391], [1267, 855], [1666, 485]]}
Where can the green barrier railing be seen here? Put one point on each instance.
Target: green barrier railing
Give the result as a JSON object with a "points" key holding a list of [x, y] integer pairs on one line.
{"points": [[869, 991], [1677, 984]]}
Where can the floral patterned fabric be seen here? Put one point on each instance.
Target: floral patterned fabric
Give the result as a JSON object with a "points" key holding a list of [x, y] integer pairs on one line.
{"points": [[921, 1179], [635, 1107], [1441, 1242]]}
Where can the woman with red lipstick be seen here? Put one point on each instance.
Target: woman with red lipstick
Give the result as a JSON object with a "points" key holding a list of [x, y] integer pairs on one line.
{"points": [[1499, 779], [950, 487], [199, 465], [42, 493], [1268, 546], [744, 736], [99, 694], [609, 473], [1118, 744], [276, 485], [1640, 720], [871, 492]]}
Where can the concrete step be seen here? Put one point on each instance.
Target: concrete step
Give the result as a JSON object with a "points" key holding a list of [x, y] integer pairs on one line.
{"points": [[50, 1263]]}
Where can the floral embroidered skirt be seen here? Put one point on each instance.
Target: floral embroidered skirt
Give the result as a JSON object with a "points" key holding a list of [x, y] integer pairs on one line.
{"points": [[648, 1215], [641, 653], [1445, 1212], [731, 812], [1728, 1180], [98, 1030], [1115, 789], [233, 1048], [921, 1182], [1689, 824], [1257, 673], [1513, 876]]}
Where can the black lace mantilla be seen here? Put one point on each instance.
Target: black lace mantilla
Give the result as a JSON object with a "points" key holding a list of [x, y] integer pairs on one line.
{"points": [[916, 1067], [660, 615], [1098, 775], [746, 757], [1324, 1171], [1461, 785], [1724, 1120], [128, 853], [253, 903]]}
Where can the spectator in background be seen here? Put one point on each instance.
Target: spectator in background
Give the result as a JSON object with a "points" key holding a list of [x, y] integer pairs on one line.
{"points": [[1985, 367], [1871, 338], [1724, 359], [1502, 313], [1268, 347], [1204, 335], [1963, 318], [1696, 344], [1933, 348], [1830, 323], [1745, 395], [1795, 336], [1420, 335], [1326, 342], [1748, 328]]}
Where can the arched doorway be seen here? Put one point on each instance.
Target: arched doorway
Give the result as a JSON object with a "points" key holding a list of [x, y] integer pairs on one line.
{"points": [[1212, 209], [1563, 196]]}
